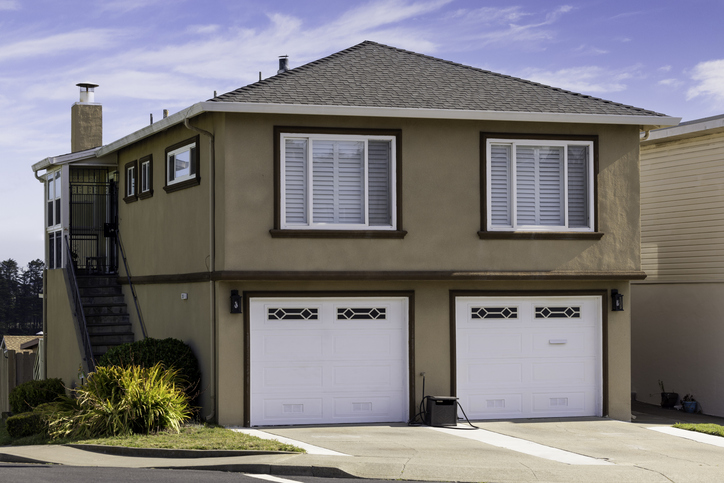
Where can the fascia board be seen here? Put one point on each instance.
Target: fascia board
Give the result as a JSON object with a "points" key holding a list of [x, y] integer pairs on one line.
{"points": [[690, 128], [46, 163], [645, 122]]}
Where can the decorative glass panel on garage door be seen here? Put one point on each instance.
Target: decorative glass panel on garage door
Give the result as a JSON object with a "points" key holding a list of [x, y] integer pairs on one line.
{"points": [[528, 357], [328, 360]]}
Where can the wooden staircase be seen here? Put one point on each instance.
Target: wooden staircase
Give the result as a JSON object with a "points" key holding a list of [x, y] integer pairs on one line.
{"points": [[106, 313]]}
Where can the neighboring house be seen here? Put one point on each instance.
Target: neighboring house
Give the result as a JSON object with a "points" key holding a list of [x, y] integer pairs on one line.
{"points": [[18, 355], [326, 236], [677, 312]]}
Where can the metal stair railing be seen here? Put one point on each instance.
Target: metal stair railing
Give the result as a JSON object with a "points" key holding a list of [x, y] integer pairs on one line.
{"points": [[130, 283], [79, 313]]}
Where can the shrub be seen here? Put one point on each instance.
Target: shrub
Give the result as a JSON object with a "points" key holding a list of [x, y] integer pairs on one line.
{"points": [[26, 396], [172, 353], [26, 424], [119, 401]]}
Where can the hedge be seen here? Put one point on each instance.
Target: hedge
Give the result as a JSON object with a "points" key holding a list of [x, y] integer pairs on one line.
{"points": [[28, 395]]}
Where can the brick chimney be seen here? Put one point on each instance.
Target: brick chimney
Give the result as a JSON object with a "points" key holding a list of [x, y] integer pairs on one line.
{"points": [[86, 120]]}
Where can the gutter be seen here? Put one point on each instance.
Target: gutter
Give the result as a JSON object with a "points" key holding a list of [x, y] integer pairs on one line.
{"points": [[212, 259], [645, 122]]}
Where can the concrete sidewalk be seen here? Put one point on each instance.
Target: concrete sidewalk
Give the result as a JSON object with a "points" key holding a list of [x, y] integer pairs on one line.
{"points": [[513, 451]]}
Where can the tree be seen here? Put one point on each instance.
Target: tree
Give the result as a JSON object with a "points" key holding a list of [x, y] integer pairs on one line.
{"points": [[8, 293], [21, 309]]}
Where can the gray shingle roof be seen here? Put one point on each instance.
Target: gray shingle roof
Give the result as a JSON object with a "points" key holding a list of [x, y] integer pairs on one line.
{"points": [[375, 75]]}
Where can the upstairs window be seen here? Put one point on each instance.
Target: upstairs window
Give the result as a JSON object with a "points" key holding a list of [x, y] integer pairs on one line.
{"points": [[338, 182], [539, 185], [53, 199], [146, 175], [182, 165], [131, 179]]}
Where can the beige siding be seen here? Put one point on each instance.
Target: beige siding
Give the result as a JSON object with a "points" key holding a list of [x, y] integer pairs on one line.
{"points": [[682, 209]]}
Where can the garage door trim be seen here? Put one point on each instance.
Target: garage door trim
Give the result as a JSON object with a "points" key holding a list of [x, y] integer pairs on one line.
{"points": [[454, 294], [410, 295]]}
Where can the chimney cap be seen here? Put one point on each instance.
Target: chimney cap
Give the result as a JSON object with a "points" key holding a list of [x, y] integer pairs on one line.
{"points": [[87, 85]]}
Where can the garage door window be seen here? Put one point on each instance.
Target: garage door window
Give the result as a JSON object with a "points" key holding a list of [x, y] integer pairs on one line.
{"points": [[557, 312], [293, 313], [361, 314], [494, 312]]}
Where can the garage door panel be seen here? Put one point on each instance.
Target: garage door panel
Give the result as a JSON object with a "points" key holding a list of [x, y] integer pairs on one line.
{"points": [[544, 360], [346, 362]]}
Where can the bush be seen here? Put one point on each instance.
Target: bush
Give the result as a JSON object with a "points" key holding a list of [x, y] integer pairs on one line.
{"points": [[118, 401], [172, 353], [26, 424], [26, 396]]}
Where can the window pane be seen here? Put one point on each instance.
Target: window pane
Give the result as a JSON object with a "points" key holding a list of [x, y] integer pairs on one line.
{"points": [[57, 212], [58, 188], [526, 186], [295, 180], [578, 208], [500, 185], [338, 182], [51, 212], [144, 177], [550, 176], [51, 250], [182, 164], [58, 250], [379, 183]]}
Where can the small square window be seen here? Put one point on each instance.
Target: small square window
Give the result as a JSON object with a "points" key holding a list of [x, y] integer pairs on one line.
{"points": [[131, 180], [146, 175], [182, 165]]}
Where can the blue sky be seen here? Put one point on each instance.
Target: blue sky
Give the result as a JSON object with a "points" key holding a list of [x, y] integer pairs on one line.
{"points": [[150, 55]]}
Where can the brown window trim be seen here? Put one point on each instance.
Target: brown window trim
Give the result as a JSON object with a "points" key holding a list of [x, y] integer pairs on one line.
{"points": [[539, 235], [170, 188], [485, 234], [142, 195], [132, 164], [289, 233], [278, 232]]}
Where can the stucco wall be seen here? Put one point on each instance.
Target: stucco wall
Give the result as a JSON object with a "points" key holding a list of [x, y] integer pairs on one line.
{"points": [[676, 337], [165, 315], [431, 332], [64, 354], [168, 233]]}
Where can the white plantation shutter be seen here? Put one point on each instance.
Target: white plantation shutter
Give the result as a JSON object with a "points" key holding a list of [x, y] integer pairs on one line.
{"points": [[526, 186], [500, 185], [578, 187], [338, 182], [295, 180], [550, 186], [378, 183]]}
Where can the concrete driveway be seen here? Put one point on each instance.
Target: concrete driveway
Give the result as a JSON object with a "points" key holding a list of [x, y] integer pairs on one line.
{"points": [[524, 451]]}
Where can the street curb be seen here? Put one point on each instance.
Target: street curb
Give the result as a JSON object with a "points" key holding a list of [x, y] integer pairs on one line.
{"points": [[171, 453], [10, 458], [268, 469]]}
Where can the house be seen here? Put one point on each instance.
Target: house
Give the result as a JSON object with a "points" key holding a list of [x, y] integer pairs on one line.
{"points": [[336, 238], [18, 361], [677, 311]]}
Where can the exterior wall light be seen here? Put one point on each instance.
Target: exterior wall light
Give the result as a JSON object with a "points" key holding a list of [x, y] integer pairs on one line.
{"points": [[235, 302], [616, 301]]}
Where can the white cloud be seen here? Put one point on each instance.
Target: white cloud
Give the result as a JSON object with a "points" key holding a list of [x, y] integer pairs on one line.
{"points": [[588, 79], [202, 29], [710, 81], [670, 83], [79, 41], [9, 5], [589, 50], [665, 68]]}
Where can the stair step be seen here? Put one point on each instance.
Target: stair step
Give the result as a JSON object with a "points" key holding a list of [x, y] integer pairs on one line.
{"points": [[104, 329], [107, 319], [104, 309], [95, 300], [100, 290], [97, 281], [111, 339]]}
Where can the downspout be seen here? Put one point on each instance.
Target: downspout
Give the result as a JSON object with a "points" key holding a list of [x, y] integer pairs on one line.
{"points": [[212, 260], [646, 136]]}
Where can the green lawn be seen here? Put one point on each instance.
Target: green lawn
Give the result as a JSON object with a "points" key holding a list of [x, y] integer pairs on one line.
{"points": [[192, 436], [713, 429]]}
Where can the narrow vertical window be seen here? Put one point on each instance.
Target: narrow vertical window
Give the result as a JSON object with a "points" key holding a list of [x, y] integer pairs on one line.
{"points": [[146, 177], [131, 180]]}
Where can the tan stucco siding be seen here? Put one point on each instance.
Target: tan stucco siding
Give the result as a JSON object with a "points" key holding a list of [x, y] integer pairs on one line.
{"points": [[441, 211], [169, 232], [64, 354], [441, 204], [682, 207], [432, 335], [676, 337], [166, 314]]}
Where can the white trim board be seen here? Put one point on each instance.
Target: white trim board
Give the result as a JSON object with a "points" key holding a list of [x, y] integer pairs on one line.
{"points": [[522, 446]]}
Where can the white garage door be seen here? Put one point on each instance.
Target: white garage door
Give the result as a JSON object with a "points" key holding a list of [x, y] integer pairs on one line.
{"points": [[528, 357], [318, 361]]}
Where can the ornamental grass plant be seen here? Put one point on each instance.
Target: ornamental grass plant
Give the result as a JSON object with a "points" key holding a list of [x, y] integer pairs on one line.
{"points": [[120, 401]]}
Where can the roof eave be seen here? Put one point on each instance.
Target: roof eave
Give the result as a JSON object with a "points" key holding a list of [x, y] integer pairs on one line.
{"points": [[65, 159], [645, 122], [688, 129]]}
